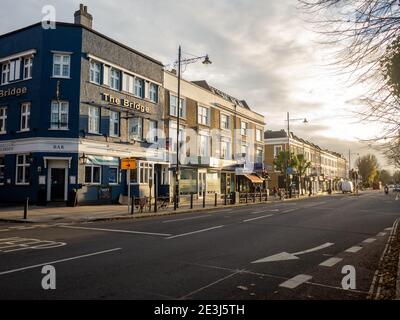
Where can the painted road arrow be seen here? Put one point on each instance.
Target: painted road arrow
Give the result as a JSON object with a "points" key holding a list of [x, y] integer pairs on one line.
{"points": [[292, 256]]}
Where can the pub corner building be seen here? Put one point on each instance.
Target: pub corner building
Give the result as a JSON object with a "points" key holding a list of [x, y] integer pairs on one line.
{"points": [[73, 103]]}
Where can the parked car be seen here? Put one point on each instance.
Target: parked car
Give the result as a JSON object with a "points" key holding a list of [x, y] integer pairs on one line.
{"points": [[396, 188], [347, 186]]}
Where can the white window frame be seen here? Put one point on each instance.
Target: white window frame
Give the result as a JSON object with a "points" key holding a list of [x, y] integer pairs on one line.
{"points": [[25, 164], [95, 71], [145, 171], [62, 64], [118, 180], [276, 148], [115, 79], [227, 127], [259, 135], [92, 166], [204, 145], [59, 125], [243, 128], [261, 159], [114, 121], [25, 116], [5, 73], [153, 92], [152, 132], [138, 91], [94, 120], [28, 66], [228, 148], [182, 107], [3, 120], [203, 115], [138, 136]]}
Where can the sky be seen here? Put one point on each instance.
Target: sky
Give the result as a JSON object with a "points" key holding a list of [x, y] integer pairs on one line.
{"points": [[263, 51]]}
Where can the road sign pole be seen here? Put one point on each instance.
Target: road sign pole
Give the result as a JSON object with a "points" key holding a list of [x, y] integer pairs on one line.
{"points": [[129, 188]]}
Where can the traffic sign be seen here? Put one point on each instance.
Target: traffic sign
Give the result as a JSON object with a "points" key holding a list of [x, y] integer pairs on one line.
{"points": [[128, 164]]}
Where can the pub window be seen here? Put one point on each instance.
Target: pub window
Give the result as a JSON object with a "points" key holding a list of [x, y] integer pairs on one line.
{"points": [[28, 64], [3, 119], [5, 73], [139, 88], [92, 174], [59, 115], [2, 170], [113, 175], [114, 124], [61, 65], [25, 116], [152, 134], [153, 92], [22, 169], [94, 120], [115, 79], [95, 72], [136, 128], [145, 172]]}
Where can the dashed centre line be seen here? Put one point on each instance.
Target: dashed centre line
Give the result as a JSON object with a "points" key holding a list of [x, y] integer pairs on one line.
{"points": [[295, 281], [257, 218], [330, 262], [369, 240], [353, 249]]}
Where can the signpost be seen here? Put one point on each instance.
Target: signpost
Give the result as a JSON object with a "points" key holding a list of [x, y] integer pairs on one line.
{"points": [[128, 164]]}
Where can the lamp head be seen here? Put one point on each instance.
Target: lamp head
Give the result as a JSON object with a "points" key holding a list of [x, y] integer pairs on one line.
{"points": [[207, 60]]}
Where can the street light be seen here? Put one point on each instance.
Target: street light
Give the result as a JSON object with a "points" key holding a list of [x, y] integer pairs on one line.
{"points": [[288, 157], [181, 61]]}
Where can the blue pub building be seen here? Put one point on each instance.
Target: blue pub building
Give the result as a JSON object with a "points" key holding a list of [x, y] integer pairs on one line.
{"points": [[73, 103]]}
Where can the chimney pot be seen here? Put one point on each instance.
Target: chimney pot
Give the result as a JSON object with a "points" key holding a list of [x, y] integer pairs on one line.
{"points": [[83, 17]]}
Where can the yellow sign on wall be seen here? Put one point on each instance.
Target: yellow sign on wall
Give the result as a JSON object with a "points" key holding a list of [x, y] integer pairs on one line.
{"points": [[128, 164]]}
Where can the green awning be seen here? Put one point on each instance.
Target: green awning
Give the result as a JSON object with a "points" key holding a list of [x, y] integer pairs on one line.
{"points": [[103, 161]]}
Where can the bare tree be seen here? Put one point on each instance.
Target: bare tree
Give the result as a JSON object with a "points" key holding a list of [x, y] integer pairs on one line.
{"points": [[365, 35]]}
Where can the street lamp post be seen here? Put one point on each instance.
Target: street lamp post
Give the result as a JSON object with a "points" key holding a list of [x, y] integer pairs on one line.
{"points": [[179, 63], [288, 157]]}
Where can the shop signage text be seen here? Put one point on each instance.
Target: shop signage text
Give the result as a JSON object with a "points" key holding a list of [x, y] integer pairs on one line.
{"points": [[125, 103], [13, 92]]}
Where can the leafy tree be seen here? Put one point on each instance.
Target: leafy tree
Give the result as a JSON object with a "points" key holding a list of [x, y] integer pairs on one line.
{"points": [[384, 176], [301, 167], [282, 160], [396, 177], [367, 167]]}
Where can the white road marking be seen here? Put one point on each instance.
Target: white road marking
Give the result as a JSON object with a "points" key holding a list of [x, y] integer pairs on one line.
{"points": [[296, 281], [389, 229], [381, 234], [118, 231], [252, 219], [184, 219], [193, 232], [369, 240], [354, 249], [25, 243], [287, 211], [58, 261], [292, 256], [330, 262]]}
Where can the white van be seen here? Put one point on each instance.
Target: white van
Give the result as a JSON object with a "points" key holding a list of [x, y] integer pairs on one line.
{"points": [[347, 186]]}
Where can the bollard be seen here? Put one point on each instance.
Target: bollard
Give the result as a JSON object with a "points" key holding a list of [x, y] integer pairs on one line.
{"points": [[260, 196], [175, 204], [225, 198], [254, 197], [132, 205], [246, 198], [204, 199], [216, 199], [191, 200], [26, 208], [155, 204]]}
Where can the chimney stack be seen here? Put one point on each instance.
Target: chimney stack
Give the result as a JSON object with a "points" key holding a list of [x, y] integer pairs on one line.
{"points": [[83, 17]]}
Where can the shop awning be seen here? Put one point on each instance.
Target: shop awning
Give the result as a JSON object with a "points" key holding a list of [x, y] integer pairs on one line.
{"points": [[253, 178], [103, 161]]}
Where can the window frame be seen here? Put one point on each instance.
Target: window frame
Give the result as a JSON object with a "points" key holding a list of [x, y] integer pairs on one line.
{"points": [[182, 107], [243, 129], [28, 67], [153, 91], [115, 79], [114, 122], [62, 65], [25, 164], [137, 88], [92, 117], [59, 113], [25, 119], [3, 120], [203, 119], [117, 175], [93, 72], [92, 166], [5, 73], [140, 125], [227, 127]]}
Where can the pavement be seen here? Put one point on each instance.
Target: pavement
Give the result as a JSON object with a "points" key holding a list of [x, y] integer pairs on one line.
{"points": [[313, 248], [38, 214]]}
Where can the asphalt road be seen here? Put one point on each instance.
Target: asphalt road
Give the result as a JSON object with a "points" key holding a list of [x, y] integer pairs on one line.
{"points": [[206, 255]]}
